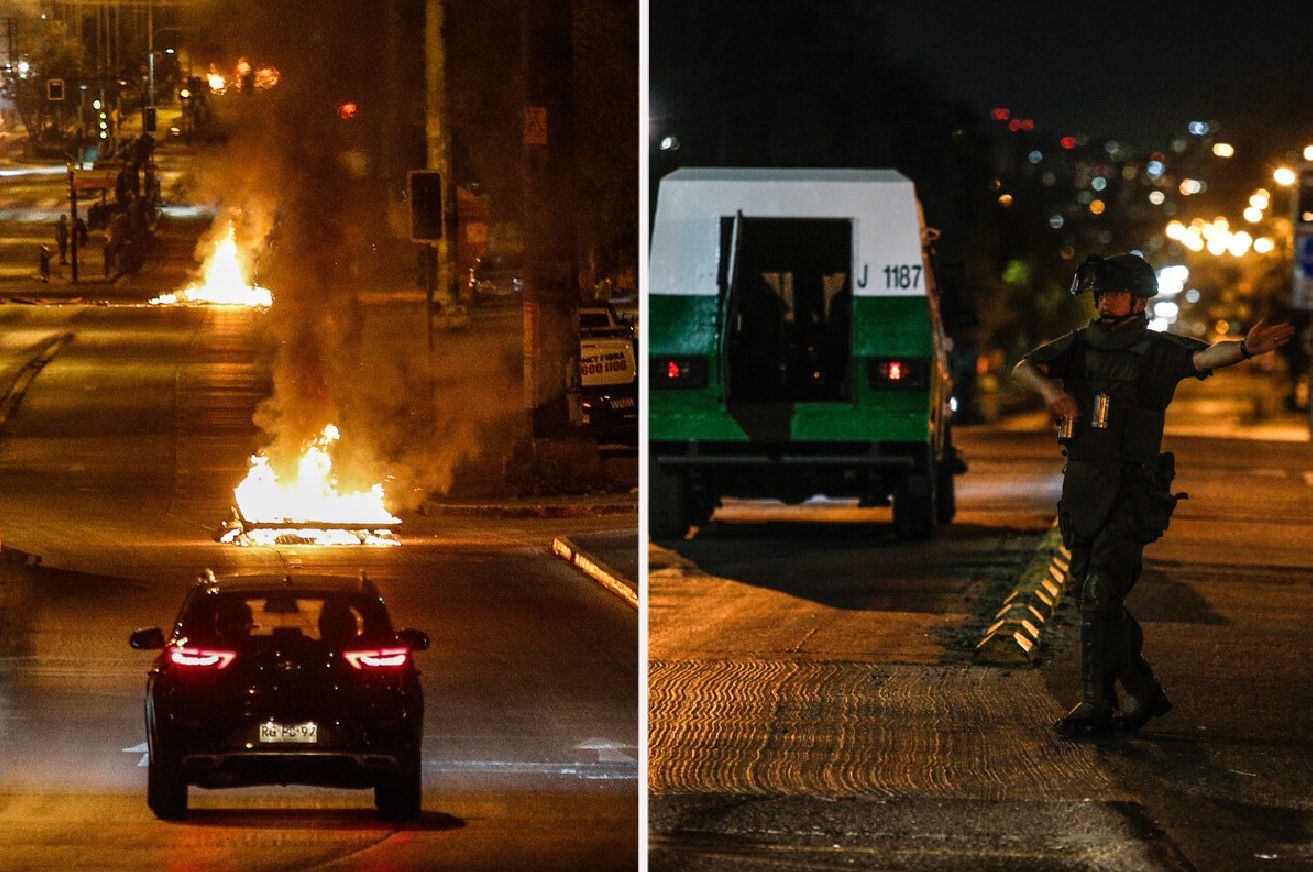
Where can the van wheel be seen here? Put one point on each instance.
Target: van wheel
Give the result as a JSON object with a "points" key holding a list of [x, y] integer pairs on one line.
{"points": [[945, 495], [915, 505], [166, 790], [667, 502]]}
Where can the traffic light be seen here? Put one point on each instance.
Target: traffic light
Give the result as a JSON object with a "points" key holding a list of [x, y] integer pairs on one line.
{"points": [[425, 205]]}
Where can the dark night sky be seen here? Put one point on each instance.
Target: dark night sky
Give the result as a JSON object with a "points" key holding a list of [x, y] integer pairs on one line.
{"points": [[1134, 70]]}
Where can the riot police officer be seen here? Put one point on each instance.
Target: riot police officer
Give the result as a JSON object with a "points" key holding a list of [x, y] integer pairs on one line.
{"points": [[1110, 383]]}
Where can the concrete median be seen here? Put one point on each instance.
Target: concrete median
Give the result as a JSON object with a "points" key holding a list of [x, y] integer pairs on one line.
{"points": [[596, 569]]}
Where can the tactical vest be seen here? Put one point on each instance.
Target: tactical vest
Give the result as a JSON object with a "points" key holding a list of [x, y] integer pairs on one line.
{"points": [[1136, 409]]}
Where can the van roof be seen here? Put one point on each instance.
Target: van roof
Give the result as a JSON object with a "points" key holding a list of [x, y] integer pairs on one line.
{"points": [[774, 174]]}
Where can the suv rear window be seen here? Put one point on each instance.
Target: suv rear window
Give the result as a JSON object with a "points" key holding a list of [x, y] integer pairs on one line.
{"points": [[336, 618]]}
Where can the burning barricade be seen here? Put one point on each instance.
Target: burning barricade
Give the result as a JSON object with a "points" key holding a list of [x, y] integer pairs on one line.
{"points": [[223, 280], [307, 509]]}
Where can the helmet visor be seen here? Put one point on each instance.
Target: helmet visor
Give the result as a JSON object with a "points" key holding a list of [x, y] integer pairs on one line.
{"points": [[1090, 275]]}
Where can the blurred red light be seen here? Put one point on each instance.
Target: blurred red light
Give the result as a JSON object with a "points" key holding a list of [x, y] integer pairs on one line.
{"points": [[1069, 142], [672, 371], [1000, 114], [347, 111], [895, 370], [376, 658], [202, 657], [1028, 124], [1014, 125]]}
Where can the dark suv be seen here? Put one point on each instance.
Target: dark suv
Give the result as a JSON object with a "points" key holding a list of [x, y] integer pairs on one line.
{"points": [[281, 680]]}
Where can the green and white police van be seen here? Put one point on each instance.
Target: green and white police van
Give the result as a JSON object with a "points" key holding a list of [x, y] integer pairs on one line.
{"points": [[796, 347]]}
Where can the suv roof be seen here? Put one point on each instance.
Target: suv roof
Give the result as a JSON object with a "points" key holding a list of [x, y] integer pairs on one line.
{"points": [[265, 582]]}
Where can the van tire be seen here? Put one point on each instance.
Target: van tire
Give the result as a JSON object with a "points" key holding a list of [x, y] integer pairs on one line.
{"points": [[945, 495], [667, 502], [915, 506]]}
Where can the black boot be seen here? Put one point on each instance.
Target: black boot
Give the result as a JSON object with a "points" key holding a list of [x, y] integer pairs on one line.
{"points": [[1139, 711], [1145, 698], [1086, 721], [1093, 717]]}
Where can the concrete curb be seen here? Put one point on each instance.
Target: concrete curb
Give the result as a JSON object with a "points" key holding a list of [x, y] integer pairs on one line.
{"points": [[530, 510], [46, 353], [594, 569], [1014, 635]]}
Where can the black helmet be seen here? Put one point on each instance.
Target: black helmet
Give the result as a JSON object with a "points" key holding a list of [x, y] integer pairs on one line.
{"points": [[1121, 272]]}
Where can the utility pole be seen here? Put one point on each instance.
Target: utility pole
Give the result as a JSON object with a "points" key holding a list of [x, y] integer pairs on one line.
{"points": [[73, 225], [551, 317], [148, 108], [438, 141]]}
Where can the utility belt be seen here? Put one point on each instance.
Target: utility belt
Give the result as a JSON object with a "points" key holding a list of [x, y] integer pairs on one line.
{"points": [[1141, 489]]}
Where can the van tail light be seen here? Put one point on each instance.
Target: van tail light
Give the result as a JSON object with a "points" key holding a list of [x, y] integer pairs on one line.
{"points": [[204, 658], [898, 373], [678, 372], [377, 658]]}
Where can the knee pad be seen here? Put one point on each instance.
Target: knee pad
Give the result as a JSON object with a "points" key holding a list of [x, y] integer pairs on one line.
{"points": [[1098, 597]]}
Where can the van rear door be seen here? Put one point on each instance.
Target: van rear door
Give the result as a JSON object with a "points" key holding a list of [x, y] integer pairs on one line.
{"points": [[787, 334]]}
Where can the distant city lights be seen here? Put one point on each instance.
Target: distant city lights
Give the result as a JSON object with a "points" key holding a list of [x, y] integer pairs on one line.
{"points": [[1005, 200], [1056, 222], [1264, 244], [1198, 128], [1157, 197], [1035, 156], [1284, 176], [1253, 214], [1155, 168], [1097, 207], [1223, 149], [1191, 186], [1171, 279]]}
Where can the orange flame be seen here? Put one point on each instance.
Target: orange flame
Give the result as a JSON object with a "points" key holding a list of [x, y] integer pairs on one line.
{"points": [[223, 280], [312, 496]]}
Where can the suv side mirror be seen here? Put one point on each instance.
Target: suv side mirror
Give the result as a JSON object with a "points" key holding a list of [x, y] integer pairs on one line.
{"points": [[415, 640], [147, 639]]}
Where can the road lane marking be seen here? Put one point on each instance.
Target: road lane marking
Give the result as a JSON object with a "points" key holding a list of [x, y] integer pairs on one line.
{"points": [[590, 771], [607, 751]]}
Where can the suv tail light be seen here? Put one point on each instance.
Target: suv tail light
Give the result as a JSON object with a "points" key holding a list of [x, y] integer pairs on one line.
{"points": [[377, 658], [678, 372], [898, 373], [205, 658]]}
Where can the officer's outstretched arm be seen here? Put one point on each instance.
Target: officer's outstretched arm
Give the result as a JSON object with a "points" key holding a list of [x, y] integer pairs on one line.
{"points": [[1262, 338], [1033, 376]]}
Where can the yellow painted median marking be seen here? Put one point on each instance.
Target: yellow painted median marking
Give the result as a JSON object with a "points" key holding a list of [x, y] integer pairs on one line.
{"points": [[1014, 637], [595, 569]]}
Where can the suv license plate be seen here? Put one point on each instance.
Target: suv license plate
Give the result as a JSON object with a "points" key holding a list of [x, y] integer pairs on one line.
{"points": [[307, 733]]}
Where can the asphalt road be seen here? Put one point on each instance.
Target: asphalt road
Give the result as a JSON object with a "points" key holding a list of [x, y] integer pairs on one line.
{"points": [[813, 704], [115, 465]]}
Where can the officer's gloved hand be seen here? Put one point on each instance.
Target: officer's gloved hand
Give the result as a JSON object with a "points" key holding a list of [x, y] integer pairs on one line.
{"points": [[1060, 403]]}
